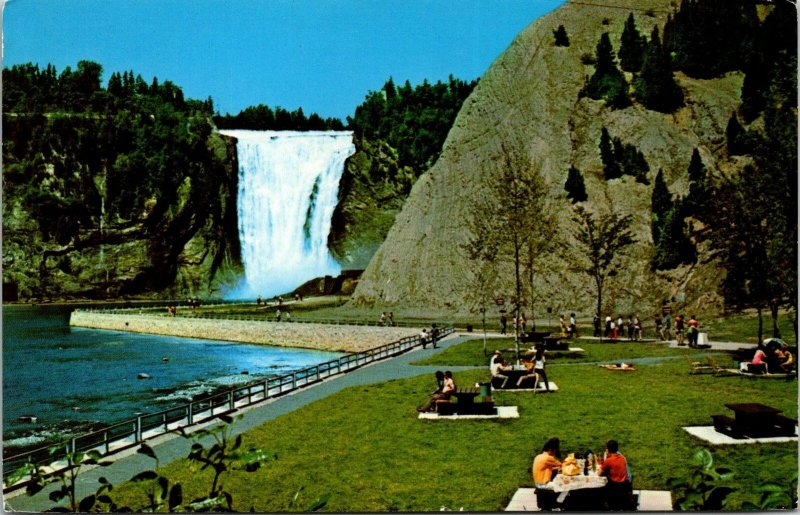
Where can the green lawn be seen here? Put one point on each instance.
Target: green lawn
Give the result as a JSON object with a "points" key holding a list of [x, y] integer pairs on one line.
{"points": [[366, 447], [471, 353]]}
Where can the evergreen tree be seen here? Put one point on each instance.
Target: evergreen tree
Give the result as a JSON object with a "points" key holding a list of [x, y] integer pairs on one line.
{"points": [[698, 190], [771, 74], [611, 169], [673, 246], [632, 46], [655, 87], [560, 36], [735, 136], [575, 187], [661, 203], [712, 37], [608, 83]]}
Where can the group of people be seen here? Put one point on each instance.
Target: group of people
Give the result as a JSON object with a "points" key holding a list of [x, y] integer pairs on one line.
{"points": [[618, 492], [445, 386], [631, 327], [569, 329], [534, 363], [386, 319], [771, 357], [426, 337], [520, 322]]}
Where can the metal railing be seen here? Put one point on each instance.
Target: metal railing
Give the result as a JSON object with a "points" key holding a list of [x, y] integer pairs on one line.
{"points": [[133, 431]]}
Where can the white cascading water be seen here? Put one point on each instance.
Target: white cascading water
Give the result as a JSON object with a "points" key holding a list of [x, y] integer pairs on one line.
{"points": [[288, 189]]}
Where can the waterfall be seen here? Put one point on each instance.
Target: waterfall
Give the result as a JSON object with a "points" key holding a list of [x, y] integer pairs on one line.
{"points": [[288, 189]]}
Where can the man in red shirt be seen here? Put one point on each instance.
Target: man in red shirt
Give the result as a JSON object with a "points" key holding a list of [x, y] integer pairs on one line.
{"points": [[619, 491]]}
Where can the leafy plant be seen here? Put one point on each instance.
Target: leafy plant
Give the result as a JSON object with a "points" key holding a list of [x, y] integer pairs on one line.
{"points": [[223, 456], [74, 462], [702, 489], [775, 496]]}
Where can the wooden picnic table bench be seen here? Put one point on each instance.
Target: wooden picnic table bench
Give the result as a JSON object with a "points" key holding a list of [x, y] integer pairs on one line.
{"points": [[466, 404], [755, 420]]}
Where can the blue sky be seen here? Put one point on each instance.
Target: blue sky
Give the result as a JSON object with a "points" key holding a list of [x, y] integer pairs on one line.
{"points": [[321, 55]]}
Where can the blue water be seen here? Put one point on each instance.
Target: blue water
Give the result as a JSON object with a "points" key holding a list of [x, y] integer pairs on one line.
{"points": [[70, 378]]}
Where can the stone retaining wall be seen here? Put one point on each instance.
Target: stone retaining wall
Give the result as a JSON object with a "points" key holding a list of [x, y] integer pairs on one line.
{"points": [[339, 338]]}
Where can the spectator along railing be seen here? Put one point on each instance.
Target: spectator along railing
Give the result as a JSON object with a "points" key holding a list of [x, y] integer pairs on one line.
{"points": [[131, 432]]}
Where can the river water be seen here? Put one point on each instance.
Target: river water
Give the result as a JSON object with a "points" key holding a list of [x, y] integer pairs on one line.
{"points": [[74, 378]]}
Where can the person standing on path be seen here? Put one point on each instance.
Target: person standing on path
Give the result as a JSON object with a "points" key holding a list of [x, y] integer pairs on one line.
{"points": [[679, 329], [503, 323], [596, 325], [693, 331], [666, 331]]}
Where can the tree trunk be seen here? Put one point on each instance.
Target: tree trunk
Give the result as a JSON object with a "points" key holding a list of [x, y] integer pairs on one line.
{"points": [[600, 308], [519, 296], [773, 310], [760, 325]]}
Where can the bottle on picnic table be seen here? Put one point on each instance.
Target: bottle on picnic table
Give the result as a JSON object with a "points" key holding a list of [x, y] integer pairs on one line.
{"points": [[589, 459]]}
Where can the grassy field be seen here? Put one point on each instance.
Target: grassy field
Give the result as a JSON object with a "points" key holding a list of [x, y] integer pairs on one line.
{"points": [[366, 447]]}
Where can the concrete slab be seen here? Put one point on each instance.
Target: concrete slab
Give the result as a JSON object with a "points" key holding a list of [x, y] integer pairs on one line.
{"points": [[539, 389], [524, 499], [502, 412], [654, 500], [710, 435]]}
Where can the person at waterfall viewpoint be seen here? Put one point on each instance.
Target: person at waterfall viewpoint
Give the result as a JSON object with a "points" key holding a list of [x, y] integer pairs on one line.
{"points": [[573, 326], [434, 335], [679, 329], [658, 321], [423, 337], [382, 319], [390, 319], [278, 315], [693, 331], [666, 327]]}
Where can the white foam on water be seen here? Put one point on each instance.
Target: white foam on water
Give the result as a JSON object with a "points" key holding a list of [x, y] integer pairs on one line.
{"points": [[288, 190]]}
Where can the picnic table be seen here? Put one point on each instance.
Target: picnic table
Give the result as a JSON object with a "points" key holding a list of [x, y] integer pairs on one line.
{"points": [[513, 374], [581, 492], [465, 404], [755, 420]]}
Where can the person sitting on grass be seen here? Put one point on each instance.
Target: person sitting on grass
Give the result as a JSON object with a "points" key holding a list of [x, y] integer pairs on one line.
{"points": [[619, 490], [439, 393], [543, 467], [498, 366]]}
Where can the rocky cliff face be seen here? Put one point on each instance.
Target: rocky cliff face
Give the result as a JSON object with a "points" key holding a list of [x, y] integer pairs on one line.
{"points": [[529, 101], [192, 248]]}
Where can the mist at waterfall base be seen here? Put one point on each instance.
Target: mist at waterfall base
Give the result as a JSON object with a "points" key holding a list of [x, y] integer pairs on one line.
{"points": [[288, 190]]}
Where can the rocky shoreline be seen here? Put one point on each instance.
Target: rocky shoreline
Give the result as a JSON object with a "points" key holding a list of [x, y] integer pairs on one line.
{"points": [[337, 338]]}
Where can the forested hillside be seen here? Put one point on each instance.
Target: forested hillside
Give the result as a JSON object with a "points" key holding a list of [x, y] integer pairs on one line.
{"points": [[127, 189], [109, 191]]}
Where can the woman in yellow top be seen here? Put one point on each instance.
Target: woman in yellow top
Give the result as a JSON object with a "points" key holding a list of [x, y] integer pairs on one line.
{"points": [[545, 463]]}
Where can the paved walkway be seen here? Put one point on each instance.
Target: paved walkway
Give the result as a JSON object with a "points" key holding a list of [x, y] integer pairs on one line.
{"points": [[172, 447]]}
